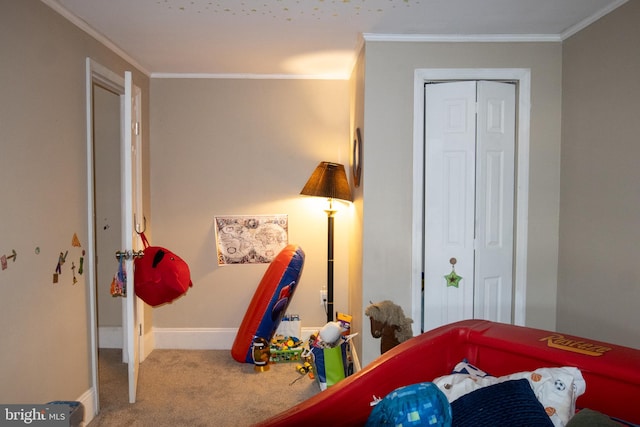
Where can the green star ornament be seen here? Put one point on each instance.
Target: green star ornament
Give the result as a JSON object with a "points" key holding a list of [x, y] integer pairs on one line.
{"points": [[453, 279]]}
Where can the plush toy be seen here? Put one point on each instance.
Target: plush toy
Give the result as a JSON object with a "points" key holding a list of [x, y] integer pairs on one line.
{"points": [[330, 333], [389, 323]]}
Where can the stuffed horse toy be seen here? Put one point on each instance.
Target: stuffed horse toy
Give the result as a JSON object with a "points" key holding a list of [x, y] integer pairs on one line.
{"points": [[388, 323]]}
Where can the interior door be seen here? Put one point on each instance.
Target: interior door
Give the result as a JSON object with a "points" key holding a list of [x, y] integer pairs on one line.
{"points": [[495, 191], [131, 200], [469, 184], [449, 197]]}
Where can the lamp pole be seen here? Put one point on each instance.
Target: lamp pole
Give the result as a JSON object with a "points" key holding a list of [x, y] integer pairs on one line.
{"points": [[330, 214]]}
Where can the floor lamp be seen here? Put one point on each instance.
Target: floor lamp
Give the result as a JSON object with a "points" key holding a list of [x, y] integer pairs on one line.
{"points": [[329, 180]]}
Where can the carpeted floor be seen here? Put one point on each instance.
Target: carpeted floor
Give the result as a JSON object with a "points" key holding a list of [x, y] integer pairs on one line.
{"points": [[196, 388]]}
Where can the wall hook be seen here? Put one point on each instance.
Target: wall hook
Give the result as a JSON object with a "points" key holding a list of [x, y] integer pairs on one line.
{"points": [[137, 226], [13, 255]]}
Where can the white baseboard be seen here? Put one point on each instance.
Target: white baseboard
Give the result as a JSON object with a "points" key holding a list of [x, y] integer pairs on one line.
{"points": [[194, 338], [147, 345], [181, 338], [88, 400], [203, 338], [110, 337]]}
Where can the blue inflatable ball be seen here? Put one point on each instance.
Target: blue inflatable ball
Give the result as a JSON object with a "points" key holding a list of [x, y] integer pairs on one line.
{"points": [[421, 404]]}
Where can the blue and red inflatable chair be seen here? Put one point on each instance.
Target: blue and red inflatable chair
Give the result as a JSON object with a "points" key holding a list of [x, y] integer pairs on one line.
{"points": [[270, 301]]}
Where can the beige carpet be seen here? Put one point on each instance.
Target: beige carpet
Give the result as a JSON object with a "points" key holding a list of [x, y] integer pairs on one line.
{"points": [[196, 388]]}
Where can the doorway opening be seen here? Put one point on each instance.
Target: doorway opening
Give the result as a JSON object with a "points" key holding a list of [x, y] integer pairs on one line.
{"points": [[103, 91], [521, 77], [107, 231], [114, 198]]}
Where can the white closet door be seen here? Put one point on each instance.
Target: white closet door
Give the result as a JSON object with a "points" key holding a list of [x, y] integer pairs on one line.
{"points": [[495, 201], [449, 200], [469, 184]]}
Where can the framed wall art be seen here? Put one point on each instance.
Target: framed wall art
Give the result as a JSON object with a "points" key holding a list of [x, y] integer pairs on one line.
{"points": [[250, 239]]}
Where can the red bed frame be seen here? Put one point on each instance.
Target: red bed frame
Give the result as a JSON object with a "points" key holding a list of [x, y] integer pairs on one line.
{"points": [[611, 372]]}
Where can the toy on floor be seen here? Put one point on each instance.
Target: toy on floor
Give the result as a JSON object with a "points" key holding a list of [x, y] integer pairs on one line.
{"points": [[285, 349], [270, 301], [304, 369], [330, 353], [260, 354], [388, 323]]}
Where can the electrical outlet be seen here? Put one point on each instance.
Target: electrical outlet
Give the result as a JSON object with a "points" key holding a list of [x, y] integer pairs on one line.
{"points": [[323, 297]]}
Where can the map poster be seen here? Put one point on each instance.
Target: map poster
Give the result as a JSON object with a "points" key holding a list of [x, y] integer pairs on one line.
{"points": [[250, 239]]}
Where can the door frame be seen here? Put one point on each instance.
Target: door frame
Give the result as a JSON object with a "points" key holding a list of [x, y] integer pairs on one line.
{"points": [[96, 73], [523, 106]]}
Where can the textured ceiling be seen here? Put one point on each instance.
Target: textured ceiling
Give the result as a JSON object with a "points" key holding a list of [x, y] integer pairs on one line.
{"points": [[307, 37]]}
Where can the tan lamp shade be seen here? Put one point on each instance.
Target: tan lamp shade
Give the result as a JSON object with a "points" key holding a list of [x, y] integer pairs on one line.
{"points": [[328, 180]]}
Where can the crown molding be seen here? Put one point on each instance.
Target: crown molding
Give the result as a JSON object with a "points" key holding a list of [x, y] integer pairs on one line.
{"points": [[80, 23], [249, 76], [590, 20], [462, 38]]}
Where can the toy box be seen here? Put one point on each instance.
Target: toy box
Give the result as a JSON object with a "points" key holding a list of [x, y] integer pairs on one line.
{"points": [[285, 349]]}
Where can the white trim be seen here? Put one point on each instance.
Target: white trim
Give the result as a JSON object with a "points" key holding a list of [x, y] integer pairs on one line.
{"points": [[110, 337], [593, 18], [203, 338], [87, 399], [463, 38], [98, 73], [90, 267], [194, 338], [249, 76], [305, 333], [149, 344], [523, 76], [84, 26], [182, 338]]}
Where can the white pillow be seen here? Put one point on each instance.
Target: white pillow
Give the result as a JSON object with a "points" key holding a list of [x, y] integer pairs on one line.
{"points": [[556, 388]]}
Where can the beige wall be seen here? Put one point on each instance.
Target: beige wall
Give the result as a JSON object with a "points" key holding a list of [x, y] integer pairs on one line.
{"points": [[245, 147], [599, 273], [44, 353], [388, 174]]}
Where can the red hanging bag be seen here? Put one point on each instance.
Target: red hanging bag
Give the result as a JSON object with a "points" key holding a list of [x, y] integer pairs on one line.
{"points": [[160, 275]]}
